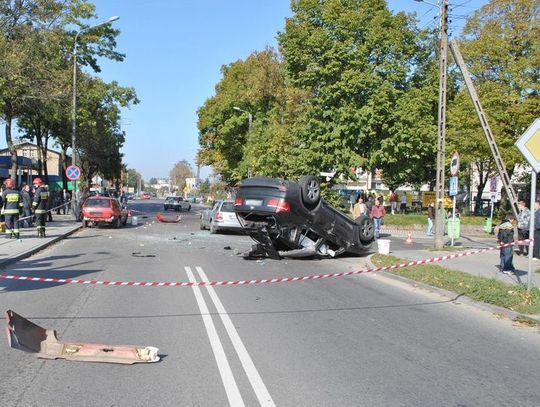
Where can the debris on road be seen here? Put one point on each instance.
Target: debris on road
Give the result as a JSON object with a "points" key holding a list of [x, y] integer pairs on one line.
{"points": [[164, 219], [29, 337], [227, 248], [139, 254]]}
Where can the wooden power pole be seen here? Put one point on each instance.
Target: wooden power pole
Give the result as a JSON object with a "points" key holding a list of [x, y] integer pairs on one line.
{"points": [[441, 132]]}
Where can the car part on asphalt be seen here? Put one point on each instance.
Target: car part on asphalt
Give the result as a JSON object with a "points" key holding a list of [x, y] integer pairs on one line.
{"points": [[163, 219], [24, 335], [289, 219]]}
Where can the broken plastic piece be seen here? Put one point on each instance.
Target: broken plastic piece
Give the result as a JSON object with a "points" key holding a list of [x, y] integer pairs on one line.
{"points": [[29, 337], [139, 254], [163, 219]]}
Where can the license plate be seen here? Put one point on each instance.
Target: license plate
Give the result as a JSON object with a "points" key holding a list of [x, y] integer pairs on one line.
{"points": [[254, 202]]}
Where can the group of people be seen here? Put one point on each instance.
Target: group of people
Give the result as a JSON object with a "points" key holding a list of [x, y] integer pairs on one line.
{"points": [[505, 236], [32, 202], [373, 208]]}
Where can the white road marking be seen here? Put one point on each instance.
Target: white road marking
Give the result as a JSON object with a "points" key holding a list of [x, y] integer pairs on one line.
{"points": [[227, 377], [249, 367]]}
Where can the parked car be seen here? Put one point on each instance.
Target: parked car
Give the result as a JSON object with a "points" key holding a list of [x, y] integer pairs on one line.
{"points": [[145, 195], [176, 203], [290, 219], [103, 210], [221, 217]]}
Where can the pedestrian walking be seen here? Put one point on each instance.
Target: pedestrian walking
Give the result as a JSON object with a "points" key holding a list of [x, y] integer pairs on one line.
{"points": [[377, 214], [26, 198], [40, 205], [393, 201], [11, 199], [403, 205], [57, 201], [430, 218], [359, 208], [505, 236], [524, 219], [370, 202], [66, 198], [536, 247], [123, 199]]}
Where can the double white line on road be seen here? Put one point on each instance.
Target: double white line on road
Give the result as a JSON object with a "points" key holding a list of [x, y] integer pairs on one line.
{"points": [[229, 382]]}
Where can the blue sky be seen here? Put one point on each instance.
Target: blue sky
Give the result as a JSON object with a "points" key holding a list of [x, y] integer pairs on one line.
{"points": [[174, 50]]}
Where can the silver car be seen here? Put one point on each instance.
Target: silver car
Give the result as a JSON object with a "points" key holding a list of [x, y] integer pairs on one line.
{"points": [[220, 217]]}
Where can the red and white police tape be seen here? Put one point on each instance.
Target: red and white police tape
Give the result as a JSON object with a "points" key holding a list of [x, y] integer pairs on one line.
{"points": [[260, 281]]}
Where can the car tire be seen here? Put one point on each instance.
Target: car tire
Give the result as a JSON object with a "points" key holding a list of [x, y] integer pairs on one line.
{"points": [[213, 228], [189, 208], [366, 230], [311, 190]]}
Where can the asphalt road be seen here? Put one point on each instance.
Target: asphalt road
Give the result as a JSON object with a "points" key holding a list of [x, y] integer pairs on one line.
{"points": [[354, 341]]}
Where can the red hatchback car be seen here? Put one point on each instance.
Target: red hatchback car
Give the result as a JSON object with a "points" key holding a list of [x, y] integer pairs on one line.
{"points": [[103, 209]]}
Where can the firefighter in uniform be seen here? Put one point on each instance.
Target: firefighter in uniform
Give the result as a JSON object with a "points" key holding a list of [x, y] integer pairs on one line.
{"points": [[12, 204], [41, 201]]}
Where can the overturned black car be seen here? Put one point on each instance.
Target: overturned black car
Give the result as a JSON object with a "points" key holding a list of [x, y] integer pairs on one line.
{"points": [[289, 219]]}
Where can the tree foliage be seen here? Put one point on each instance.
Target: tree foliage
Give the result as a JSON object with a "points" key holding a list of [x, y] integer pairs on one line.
{"points": [[179, 173]]}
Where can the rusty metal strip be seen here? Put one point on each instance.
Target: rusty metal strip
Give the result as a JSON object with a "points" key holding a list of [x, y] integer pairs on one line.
{"points": [[24, 335]]}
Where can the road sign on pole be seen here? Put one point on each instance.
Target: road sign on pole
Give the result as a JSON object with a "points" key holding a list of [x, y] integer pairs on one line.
{"points": [[454, 164], [529, 145], [73, 173], [453, 189]]}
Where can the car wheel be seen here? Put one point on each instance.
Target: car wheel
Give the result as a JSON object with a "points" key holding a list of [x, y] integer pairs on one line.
{"points": [[366, 230], [189, 208], [311, 190], [213, 228]]}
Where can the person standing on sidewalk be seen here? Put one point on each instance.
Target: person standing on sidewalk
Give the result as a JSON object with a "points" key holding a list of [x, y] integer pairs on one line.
{"points": [[377, 214], [40, 205], [524, 218], [393, 201], [359, 208], [12, 204], [536, 234], [505, 236], [403, 205], [430, 217], [66, 198], [26, 198]]}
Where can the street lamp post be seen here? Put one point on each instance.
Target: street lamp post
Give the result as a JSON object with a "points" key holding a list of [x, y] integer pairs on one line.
{"points": [[441, 122], [74, 106], [250, 117]]}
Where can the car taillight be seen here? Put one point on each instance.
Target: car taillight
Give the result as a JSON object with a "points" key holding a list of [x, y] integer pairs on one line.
{"points": [[280, 204], [219, 217], [238, 201]]}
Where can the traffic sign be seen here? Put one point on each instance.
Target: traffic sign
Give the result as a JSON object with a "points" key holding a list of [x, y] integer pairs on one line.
{"points": [[453, 190], [529, 145], [454, 164], [73, 173], [493, 181]]}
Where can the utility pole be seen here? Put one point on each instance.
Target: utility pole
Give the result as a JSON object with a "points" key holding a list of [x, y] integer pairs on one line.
{"points": [[441, 132]]}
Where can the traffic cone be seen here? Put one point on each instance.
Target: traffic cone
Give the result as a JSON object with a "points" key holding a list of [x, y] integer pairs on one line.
{"points": [[409, 238]]}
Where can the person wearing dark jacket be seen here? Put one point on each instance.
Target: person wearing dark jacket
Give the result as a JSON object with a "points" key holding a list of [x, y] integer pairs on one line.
{"points": [[12, 204], [40, 205], [505, 236], [26, 198]]}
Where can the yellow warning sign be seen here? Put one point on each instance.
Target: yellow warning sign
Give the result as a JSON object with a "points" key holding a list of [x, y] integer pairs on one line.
{"points": [[533, 145], [529, 145]]}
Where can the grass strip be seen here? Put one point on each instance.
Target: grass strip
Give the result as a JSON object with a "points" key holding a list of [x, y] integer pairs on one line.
{"points": [[421, 219], [487, 290]]}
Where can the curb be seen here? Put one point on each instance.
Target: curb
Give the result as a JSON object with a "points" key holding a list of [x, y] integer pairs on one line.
{"points": [[38, 248], [494, 309]]}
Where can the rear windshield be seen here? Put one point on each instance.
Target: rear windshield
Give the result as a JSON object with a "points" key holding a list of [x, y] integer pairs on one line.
{"points": [[98, 203], [227, 207]]}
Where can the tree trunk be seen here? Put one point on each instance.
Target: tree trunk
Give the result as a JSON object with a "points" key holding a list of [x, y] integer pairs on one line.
{"points": [[45, 159], [63, 157], [8, 117], [39, 143]]}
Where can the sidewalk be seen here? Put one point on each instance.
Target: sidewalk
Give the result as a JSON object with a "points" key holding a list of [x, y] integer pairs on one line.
{"points": [[485, 264], [12, 250]]}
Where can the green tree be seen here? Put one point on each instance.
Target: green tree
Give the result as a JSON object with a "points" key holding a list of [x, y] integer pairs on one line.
{"points": [[501, 46], [354, 59], [179, 173]]}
